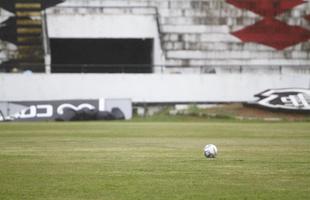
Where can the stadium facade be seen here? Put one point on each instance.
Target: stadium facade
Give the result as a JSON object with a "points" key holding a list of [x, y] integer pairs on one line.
{"points": [[153, 50]]}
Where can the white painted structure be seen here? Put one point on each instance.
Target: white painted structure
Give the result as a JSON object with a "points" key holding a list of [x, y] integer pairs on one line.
{"points": [[186, 33], [190, 37], [226, 87]]}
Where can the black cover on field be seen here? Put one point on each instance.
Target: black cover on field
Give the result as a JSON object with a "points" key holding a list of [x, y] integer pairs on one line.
{"points": [[104, 115], [117, 114], [88, 114], [85, 114], [68, 115]]}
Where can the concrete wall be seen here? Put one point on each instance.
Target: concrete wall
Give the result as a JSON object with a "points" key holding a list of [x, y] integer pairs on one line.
{"points": [[226, 87], [192, 32], [198, 32]]}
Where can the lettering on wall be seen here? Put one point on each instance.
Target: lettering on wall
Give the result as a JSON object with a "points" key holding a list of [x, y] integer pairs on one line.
{"points": [[293, 99]]}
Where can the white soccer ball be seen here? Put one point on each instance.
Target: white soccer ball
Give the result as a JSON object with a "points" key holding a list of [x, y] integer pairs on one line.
{"points": [[210, 151]]}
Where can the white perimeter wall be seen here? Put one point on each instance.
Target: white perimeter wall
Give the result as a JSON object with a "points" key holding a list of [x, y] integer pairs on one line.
{"points": [[145, 87]]}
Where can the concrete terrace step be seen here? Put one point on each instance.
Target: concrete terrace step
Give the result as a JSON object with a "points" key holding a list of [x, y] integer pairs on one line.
{"points": [[103, 10], [116, 3]]}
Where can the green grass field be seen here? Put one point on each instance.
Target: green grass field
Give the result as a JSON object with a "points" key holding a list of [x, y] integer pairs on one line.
{"points": [[154, 160]]}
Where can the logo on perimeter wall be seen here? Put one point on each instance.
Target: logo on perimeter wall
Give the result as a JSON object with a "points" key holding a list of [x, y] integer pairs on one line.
{"points": [[296, 100]]}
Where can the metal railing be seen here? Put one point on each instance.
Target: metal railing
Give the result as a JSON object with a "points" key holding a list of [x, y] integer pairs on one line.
{"points": [[148, 68]]}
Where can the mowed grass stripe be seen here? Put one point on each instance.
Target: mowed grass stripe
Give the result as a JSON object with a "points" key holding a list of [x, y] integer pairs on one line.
{"points": [[136, 160]]}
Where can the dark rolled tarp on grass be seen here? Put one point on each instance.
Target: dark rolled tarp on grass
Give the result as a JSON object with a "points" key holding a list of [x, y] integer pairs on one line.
{"points": [[117, 114], [90, 114], [66, 110]]}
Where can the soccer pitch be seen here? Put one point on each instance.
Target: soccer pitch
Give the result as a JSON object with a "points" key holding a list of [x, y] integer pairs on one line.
{"points": [[154, 160]]}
